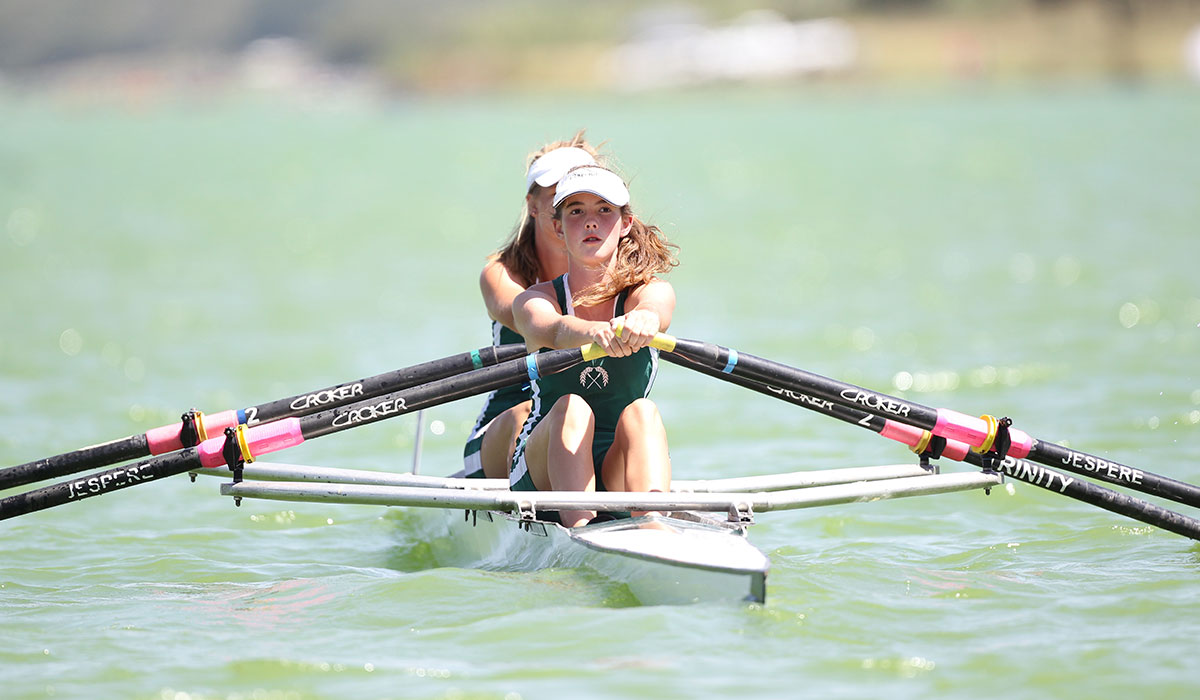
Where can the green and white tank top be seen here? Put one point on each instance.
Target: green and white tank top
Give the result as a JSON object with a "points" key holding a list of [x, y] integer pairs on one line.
{"points": [[608, 384]]}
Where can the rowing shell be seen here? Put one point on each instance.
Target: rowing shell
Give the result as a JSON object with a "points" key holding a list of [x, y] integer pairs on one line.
{"points": [[698, 551], [681, 557]]}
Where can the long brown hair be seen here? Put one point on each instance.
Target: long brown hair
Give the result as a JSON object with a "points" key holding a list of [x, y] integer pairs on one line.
{"points": [[642, 254], [519, 253]]}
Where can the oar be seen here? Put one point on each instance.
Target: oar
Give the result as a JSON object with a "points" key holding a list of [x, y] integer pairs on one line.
{"points": [[919, 439], [979, 433], [196, 427], [244, 444]]}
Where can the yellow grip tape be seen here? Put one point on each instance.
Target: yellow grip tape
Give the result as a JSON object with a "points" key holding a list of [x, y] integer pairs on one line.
{"points": [[592, 351], [661, 341]]}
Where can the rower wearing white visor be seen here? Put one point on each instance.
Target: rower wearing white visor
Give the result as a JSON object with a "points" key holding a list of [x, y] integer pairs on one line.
{"points": [[532, 253], [592, 427]]}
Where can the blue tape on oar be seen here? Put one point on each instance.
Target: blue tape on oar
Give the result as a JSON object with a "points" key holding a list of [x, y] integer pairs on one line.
{"points": [[531, 367], [733, 359], [476, 360]]}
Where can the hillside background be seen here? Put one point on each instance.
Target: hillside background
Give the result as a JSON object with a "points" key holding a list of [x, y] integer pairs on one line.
{"points": [[396, 47]]}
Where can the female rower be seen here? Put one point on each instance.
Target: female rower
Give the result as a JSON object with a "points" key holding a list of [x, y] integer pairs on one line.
{"points": [[533, 253], [592, 427]]}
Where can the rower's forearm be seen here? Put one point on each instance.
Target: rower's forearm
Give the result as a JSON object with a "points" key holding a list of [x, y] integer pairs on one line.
{"points": [[572, 332], [553, 334]]}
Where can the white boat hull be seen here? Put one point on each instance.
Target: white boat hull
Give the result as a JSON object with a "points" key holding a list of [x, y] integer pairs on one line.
{"points": [[663, 560]]}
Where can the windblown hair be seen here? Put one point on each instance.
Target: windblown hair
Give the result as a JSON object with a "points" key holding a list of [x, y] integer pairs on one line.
{"points": [[519, 252], [641, 256]]}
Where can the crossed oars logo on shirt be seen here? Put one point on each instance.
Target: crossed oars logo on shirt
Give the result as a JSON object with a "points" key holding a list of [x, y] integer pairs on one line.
{"points": [[593, 378]]}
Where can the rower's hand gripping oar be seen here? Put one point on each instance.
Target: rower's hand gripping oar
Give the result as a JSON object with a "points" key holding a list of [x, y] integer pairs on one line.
{"points": [[196, 427], [979, 433], [927, 446], [244, 444]]}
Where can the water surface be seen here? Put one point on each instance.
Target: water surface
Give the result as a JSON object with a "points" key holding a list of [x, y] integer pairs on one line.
{"points": [[1022, 253]]}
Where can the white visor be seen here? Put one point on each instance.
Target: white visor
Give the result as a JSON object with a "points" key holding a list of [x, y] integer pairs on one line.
{"points": [[605, 184], [550, 167]]}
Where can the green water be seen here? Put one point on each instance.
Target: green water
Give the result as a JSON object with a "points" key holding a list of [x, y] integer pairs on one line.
{"points": [[1023, 253]]}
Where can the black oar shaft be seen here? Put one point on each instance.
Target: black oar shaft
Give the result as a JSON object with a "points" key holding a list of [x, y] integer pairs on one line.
{"points": [[168, 438], [1096, 495], [277, 435], [948, 424], [780, 375], [380, 384], [99, 483], [106, 453], [442, 391], [1055, 455], [1019, 469]]}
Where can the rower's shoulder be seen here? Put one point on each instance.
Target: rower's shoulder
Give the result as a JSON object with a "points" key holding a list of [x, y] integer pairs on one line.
{"points": [[655, 288], [496, 280], [494, 270], [541, 289]]}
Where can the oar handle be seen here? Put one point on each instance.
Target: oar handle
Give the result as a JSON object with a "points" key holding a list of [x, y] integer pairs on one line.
{"points": [[592, 351], [661, 341]]}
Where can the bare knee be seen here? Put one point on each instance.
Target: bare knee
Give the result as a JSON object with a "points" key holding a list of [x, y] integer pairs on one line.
{"points": [[573, 413], [500, 440], [518, 414], [509, 422], [641, 414]]}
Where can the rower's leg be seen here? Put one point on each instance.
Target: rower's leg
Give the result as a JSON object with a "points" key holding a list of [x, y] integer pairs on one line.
{"points": [[559, 453], [500, 440], [638, 459]]}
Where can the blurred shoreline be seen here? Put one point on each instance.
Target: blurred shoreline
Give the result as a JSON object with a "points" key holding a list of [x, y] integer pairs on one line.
{"points": [[1050, 43]]}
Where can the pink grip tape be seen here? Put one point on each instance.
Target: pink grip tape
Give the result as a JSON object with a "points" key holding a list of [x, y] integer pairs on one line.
{"points": [[216, 423], [903, 433], [210, 452], [164, 439], [953, 425], [261, 439], [973, 431], [911, 436], [956, 450], [1022, 444]]}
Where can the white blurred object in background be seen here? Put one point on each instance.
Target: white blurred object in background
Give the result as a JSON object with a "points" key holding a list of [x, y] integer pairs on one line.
{"points": [[1191, 53], [759, 45]]}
